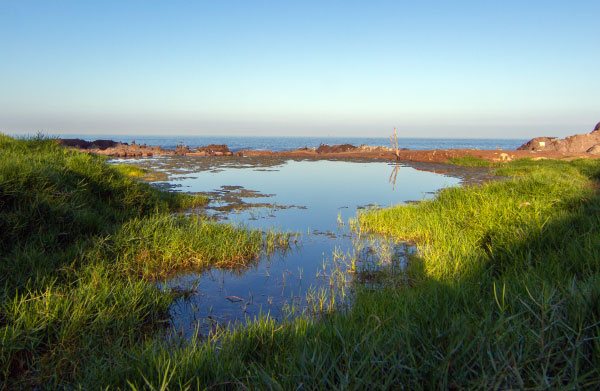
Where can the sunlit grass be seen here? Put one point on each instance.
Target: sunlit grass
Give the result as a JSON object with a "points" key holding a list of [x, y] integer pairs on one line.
{"points": [[130, 171], [77, 235], [159, 245]]}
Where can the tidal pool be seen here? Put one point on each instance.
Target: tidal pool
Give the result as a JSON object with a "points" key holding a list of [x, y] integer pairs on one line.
{"points": [[314, 198]]}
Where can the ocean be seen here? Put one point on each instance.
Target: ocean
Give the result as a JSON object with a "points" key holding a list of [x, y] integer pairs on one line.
{"points": [[236, 143]]}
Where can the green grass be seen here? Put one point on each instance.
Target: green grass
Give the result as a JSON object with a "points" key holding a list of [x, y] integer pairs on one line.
{"points": [[502, 295], [81, 241], [504, 292], [470, 161], [162, 244], [130, 171]]}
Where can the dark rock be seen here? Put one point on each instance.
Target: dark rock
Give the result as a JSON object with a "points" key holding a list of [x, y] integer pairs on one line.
{"points": [[212, 148], [82, 144], [103, 144], [324, 148], [74, 143]]}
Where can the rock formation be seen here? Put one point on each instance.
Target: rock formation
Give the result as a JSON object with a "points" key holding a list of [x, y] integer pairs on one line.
{"points": [[324, 148], [211, 150], [589, 142], [114, 148], [119, 149]]}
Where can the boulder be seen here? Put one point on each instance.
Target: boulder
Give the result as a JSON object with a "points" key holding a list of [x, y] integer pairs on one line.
{"points": [[537, 144]]}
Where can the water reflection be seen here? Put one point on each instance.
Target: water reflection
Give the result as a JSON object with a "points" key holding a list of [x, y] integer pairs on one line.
{"points": [[313, 198]]}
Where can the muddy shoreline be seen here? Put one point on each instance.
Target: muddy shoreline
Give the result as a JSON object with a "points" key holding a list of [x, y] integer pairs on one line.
{"points": [[425, 156], [345, 151]]}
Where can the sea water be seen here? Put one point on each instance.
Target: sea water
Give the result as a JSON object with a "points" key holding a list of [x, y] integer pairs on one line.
{"points": [[236, 143]]}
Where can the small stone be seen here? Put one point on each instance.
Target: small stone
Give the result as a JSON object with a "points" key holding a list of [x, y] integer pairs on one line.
{"points": [[505, 157]]}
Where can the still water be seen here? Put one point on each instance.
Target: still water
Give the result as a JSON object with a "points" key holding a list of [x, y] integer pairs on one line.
{"points": [[313, 198]]}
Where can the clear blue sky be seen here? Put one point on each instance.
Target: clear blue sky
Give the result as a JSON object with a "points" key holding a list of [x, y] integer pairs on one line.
{"points": [[355, 68]]}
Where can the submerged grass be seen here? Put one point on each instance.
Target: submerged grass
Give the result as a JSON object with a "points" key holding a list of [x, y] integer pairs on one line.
{"points": [[504, 292], [161, 244]]}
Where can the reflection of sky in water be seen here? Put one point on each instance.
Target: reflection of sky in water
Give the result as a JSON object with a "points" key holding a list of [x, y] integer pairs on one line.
{"points": [[326, 189]]}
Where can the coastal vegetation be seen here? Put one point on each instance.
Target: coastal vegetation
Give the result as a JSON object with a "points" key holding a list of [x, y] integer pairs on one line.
{"points": [[503, 291], [81, 243]]}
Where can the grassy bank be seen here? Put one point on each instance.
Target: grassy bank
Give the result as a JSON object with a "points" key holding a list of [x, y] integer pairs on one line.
{"points": [[504, 293], [81, 241]]}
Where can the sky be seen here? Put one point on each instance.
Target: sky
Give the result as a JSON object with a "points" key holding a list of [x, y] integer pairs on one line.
{"points": [[481, 69]]}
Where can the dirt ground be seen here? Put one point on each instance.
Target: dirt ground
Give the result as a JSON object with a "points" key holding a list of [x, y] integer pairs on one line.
{"points": [[433, 156], [346, 151]]}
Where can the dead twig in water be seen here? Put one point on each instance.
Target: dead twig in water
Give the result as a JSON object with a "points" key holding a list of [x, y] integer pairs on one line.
{"points": [[393, 177], [396, 147]]}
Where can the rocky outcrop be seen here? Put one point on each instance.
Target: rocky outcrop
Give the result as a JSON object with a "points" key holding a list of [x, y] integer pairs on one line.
{"points": [[215, 150], [119, 149], [324, 148], [74, 143], [537, 144], [96, 144], [114, 148], [211, 150], [575, 144]]}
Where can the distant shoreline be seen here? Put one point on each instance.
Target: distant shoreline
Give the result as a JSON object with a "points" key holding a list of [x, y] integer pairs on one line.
{"points": [[345, 151], [277, 144]]}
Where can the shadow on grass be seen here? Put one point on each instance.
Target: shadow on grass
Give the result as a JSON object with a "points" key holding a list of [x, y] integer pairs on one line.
{"points": [[525, 315]]}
